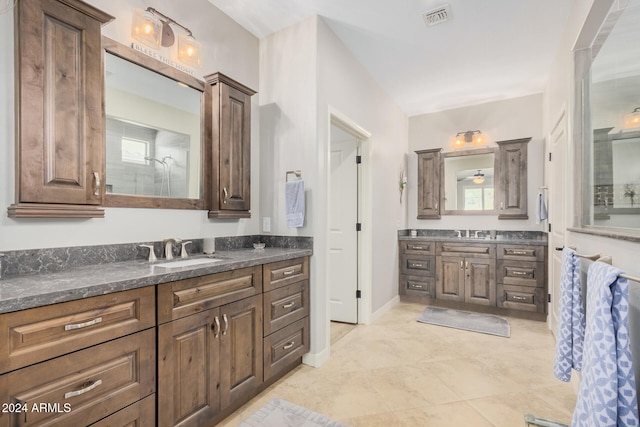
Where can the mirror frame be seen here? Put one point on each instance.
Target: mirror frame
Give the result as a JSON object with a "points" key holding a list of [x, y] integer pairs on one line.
{"points": [[462, 153], [132, 201]]}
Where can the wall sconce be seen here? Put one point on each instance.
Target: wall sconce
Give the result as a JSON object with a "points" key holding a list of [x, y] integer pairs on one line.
{"points": [[153, 29], [403, 183], [473, 137], [632, 120]]}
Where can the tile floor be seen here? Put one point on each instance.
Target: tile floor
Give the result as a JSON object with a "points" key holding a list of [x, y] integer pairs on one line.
{"points": [[398, 372]]}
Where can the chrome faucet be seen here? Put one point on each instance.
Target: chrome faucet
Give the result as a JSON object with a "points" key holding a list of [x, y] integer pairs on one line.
{"points": [[459, 234], [467, 233], [168, 247], [476, 233]]}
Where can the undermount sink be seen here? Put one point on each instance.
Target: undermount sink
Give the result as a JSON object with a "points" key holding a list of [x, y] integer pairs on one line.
{"points": [[171, 265]]}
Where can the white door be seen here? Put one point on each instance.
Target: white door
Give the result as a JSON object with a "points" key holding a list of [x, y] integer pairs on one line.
{"points": [[343, 237], [557, 184]]}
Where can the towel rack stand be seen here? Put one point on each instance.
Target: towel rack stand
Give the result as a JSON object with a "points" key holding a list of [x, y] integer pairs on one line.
{"points": [[606, 259], [297, 173]]}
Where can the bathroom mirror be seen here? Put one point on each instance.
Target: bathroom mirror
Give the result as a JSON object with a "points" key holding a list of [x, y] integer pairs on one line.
{"points": [[611, 124], [155, 132], [468, 182]]}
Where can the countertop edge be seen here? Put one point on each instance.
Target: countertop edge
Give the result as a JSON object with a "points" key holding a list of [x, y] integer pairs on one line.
{"points": [[25, 292], [470, 240]]}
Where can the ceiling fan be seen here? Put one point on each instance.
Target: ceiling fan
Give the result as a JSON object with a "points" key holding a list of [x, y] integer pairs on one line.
{"points": [[477, 178]]}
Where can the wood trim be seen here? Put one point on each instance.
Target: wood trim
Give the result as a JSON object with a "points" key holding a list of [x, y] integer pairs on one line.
{"points": [[132, 201], [47, 210]]}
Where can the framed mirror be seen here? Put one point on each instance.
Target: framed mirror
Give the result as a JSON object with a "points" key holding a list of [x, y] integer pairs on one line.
{"points": [[468, 182], [611, 124], [157, 132]]}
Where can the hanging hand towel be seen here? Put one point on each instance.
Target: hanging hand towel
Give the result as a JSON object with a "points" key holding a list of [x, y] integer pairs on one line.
{"points": [[541, 209], [294, 201], [571, 323], [607, 395]]}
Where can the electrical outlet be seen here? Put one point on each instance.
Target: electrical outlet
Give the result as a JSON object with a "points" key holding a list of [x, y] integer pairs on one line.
{"points": [[266, 224]]}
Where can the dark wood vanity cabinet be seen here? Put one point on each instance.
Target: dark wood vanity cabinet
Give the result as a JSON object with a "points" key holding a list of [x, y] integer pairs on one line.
{"points": [[429, 183], [231, 148], [59, 108], [482, 275], [512, 179], [466, 273]]}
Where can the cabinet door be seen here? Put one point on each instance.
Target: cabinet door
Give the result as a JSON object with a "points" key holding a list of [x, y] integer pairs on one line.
{"points": [[188, 374], [480, 281], [512, 194], [60, 156], [451, 275], [241, 370], [429, 184]]}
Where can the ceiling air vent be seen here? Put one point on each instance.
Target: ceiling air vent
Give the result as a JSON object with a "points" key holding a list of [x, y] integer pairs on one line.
{"points": [[437, 16]]}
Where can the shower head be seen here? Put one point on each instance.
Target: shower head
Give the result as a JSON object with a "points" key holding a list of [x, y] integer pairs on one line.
{"points": [[154, 159]]}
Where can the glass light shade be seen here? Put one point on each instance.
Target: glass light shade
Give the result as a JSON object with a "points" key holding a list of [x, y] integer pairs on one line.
{"points": [[479, 140], [478, 179], [632, 120], [457, 142], [146, 28], [189, 51]]}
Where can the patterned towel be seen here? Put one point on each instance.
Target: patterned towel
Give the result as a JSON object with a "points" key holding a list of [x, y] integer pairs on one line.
{"points": [[607, 396], [571, 323]]}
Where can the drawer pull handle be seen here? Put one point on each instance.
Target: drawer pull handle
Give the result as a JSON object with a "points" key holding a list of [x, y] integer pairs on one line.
{"points": [[288, 345], [289, 305], [87, 388], [520, 273], [225, 319], [417, 286], [519, 252], [288, 272], [418, 265], [417, 248], [73, 326], [518, 298]]}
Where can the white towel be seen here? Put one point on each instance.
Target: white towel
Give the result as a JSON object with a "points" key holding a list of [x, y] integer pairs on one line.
{"points": [[294, 201], [571, 323], [541, 209], [608, 394]]}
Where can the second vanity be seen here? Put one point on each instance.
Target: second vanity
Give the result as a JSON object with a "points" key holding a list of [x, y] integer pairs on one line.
{"points": [[128, 343], [506, 275]]}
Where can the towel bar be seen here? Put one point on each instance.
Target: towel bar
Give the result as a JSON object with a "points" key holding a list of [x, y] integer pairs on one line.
{"points": [[605, 259]]}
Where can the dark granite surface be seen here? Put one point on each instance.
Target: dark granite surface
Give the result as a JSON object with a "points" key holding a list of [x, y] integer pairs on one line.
{"points": [[515, 237], [28, 291], [37, 277]]}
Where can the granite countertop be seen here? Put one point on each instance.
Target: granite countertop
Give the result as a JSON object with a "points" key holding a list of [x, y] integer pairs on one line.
{"points": [[35, 290], [498, 239]]}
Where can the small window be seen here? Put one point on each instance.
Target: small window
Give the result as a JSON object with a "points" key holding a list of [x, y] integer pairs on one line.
{"points": [[135, 151], [478, 198]]}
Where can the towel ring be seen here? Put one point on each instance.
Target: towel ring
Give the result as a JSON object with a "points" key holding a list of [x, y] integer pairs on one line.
{"points": [[297, 173]]}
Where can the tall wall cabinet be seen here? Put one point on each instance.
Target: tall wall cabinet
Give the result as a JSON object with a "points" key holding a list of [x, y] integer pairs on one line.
{"points": [[512, 179], [60, 150], [231, 151], [429, 183]]}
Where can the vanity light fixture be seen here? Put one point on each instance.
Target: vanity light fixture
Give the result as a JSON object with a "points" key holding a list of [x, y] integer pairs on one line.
{"points": [[632, 120], [153, 29], [473, 137]]}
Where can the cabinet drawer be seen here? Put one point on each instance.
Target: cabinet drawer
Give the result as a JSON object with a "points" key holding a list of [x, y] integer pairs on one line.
{"points": [[417, 247], [285, 305], [184, 297], [417, 285], [483, 250], [41, 333], [89, 384], [418, 265], [285, 347], [521, 298], [523, 273], [140, 414], [521, 252], [283, 273]]}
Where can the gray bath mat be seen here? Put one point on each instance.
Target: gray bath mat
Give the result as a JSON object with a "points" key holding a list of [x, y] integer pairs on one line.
{"points": [[467, 320], [280, 413]]}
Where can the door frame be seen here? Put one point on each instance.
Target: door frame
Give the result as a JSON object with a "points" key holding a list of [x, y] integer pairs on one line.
{"points": [[364, 206]]}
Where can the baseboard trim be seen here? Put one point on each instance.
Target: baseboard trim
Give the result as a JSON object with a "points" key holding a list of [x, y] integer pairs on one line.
{"points": [[316, 359], [382, 310]]}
